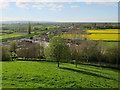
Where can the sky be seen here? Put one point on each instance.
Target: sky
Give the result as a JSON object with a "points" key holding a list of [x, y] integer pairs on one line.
{"points": [[59, 11]]}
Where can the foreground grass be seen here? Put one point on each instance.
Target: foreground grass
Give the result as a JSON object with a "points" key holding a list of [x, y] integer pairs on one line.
{"points": [[32, 74]]}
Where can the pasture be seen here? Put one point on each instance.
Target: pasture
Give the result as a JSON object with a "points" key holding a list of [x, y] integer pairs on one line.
{"points": [[33, 74]]}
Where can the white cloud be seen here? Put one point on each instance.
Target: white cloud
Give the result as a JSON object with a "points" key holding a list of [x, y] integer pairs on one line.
{"points": [[54, 7], [104, 3], [4, 5], [51, 6], [39, 7], [22, 4], [25, 3], [75, 6], [61, 0]]}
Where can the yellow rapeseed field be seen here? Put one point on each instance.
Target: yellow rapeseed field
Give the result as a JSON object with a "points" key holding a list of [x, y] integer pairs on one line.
{"points": [[107, 34], [111, 37], [104, 31]]}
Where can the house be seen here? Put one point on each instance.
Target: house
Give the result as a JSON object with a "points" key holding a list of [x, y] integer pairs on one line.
{"points": [[44, 38], [80, 38]]}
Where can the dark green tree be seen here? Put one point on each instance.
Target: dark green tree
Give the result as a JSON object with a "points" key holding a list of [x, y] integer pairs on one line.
{"points": [[29, 28]]}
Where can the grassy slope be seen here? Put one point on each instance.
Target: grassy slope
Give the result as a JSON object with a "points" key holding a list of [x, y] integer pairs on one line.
{"points": [[28, 74]]}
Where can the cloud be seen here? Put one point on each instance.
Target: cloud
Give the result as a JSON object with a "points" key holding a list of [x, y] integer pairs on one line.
{"points": [[4, 5], [51, 6], [115, 4], [25, 3], [22, 4], [61, 0], [75, 6], [108, 3], [54, 7], [39, 7]]}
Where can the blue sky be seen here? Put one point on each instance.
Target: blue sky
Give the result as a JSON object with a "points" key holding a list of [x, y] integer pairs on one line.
{"points": [[60, 11]]}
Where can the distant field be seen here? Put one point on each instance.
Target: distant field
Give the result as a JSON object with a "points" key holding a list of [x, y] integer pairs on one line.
{"points": [[11, 36], [104, 31], [32, 74], [15, 36], [107, 35]]}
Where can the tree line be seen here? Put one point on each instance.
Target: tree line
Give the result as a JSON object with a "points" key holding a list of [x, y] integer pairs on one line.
{"points": [[60, 51]]}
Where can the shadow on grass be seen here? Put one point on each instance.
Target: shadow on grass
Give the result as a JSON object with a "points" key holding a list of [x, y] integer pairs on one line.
{"points": [[88, 73], [107, 66], [92, 70]]}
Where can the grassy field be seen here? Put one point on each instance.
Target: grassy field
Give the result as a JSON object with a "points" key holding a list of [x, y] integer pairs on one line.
{"points": [[11, 36], [18, 36], [33, 74]]}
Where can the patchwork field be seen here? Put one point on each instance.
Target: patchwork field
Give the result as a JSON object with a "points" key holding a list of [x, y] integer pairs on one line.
{"points": [[32, 74]]}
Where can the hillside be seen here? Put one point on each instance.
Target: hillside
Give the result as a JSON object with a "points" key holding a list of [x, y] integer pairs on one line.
{"points": [[33, 74]]}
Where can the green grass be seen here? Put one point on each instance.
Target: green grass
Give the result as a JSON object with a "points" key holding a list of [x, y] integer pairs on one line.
{"points": [[33, 74], [18, 36], [11, 36]]}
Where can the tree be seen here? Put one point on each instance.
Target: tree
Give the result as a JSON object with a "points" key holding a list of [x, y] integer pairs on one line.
{"points": [[33, 50], [5, 54], [51, 35], [76, 53], [112, 55], [13, 46], [92, 51], [57, 50], [40, 47], [29, 28]]}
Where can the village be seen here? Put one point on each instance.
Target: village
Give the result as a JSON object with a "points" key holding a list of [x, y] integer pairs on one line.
{"points": [[45, 37]]}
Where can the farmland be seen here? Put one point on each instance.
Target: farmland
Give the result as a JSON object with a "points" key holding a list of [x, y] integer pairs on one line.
{"points": [[107, 35], [12, 32], [9, 32], [106, 31], [7, 36], [29, 74]]}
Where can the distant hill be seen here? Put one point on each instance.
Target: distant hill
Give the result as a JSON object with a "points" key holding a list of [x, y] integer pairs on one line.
{"points": [[25, 22], [14, 22]]}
